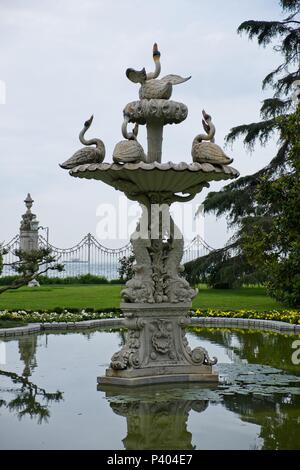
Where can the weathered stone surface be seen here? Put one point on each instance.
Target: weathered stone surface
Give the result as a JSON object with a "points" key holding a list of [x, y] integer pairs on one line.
{"points": [[156, 349], [168, 112], [156, 346], [86, 154], [208, 152], [210, 378], [158, 270], [29, 235], [166, 179]]}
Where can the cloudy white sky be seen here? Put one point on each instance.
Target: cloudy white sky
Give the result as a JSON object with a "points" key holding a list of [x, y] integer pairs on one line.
{"points": [[63, 60]]}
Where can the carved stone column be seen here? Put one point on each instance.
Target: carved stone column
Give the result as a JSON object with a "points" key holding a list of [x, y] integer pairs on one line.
{"points": [[156, 310], [29, 235]]}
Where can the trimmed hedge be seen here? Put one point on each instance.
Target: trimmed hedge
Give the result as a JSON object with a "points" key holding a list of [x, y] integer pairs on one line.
{"points": [[83, 279]]}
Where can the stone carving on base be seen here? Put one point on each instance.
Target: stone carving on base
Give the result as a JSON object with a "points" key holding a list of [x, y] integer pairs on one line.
{"points": [[198, 355], [126, 356], [140, 288], [161, 339], [157, 272], [177, 288], [157, 338]]}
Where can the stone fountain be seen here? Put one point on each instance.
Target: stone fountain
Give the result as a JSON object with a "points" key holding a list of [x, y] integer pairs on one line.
{"points": [[157, 300]]}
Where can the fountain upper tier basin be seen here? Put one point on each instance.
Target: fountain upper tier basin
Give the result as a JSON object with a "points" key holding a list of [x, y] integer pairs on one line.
{"points": [[162, 111], [141, 178]]}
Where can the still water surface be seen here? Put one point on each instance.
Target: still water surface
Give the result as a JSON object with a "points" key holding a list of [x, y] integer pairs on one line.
{"points": [[256, 406]]}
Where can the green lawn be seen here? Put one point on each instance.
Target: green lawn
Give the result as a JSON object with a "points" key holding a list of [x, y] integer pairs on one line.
{"points": [[254, 298], [108, 296]]}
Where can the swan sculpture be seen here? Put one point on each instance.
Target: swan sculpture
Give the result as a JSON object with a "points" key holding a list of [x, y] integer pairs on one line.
{"points": [[151, 88], [208, 152], [130, 150], [86, 154]]}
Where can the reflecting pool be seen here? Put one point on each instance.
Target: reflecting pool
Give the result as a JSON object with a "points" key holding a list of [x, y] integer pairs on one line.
{"points": [[49, 397]]}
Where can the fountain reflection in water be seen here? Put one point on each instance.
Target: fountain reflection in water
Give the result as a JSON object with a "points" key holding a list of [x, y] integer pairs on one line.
{"points": [[256, 404], [157, 418]]}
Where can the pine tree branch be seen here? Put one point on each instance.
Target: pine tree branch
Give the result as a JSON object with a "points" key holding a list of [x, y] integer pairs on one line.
{"points": [[290, 21], [273, 107], [237, 199], [285, 84], [265, 31], [269, 79], [290, 46], [256, 130], [290, 5]]}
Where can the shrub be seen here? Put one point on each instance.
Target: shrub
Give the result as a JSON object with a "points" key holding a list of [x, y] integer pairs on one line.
{"points": [[7, 280], [82, 279]]}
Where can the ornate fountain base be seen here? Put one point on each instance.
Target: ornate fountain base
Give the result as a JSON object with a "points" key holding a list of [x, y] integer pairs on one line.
{"points": [[156, 349]]}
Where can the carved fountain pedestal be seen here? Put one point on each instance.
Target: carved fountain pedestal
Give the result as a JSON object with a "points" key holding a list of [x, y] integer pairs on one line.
{"points": [[156, 349], [157, 300]]}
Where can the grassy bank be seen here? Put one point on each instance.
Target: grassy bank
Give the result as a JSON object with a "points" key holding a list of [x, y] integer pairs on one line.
{"points": [[253, 298], [108, 296]]}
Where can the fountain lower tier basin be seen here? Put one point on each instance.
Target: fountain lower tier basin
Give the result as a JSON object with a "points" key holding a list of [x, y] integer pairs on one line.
{"points": [[163, 377], [156, 349], [141, 178]]}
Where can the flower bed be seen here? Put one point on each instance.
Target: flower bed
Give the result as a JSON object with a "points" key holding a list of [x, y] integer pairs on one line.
{"points": [[63, 316], [75, 315], [288, 316]]}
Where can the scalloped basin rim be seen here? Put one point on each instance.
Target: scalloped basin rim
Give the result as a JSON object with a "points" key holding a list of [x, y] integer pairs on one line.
{"points": [[143, 178], [182, 166]]}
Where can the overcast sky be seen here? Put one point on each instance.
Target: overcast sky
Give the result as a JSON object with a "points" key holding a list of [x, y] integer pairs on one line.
{"points": [[63, 60]]}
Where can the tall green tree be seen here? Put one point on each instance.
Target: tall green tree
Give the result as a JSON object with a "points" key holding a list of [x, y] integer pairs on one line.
{"points": [[125, 269], [277, 251], [238, 200]]}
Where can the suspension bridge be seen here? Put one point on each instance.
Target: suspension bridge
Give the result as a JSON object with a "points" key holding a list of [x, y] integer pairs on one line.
{"points": [[91, 257]]}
